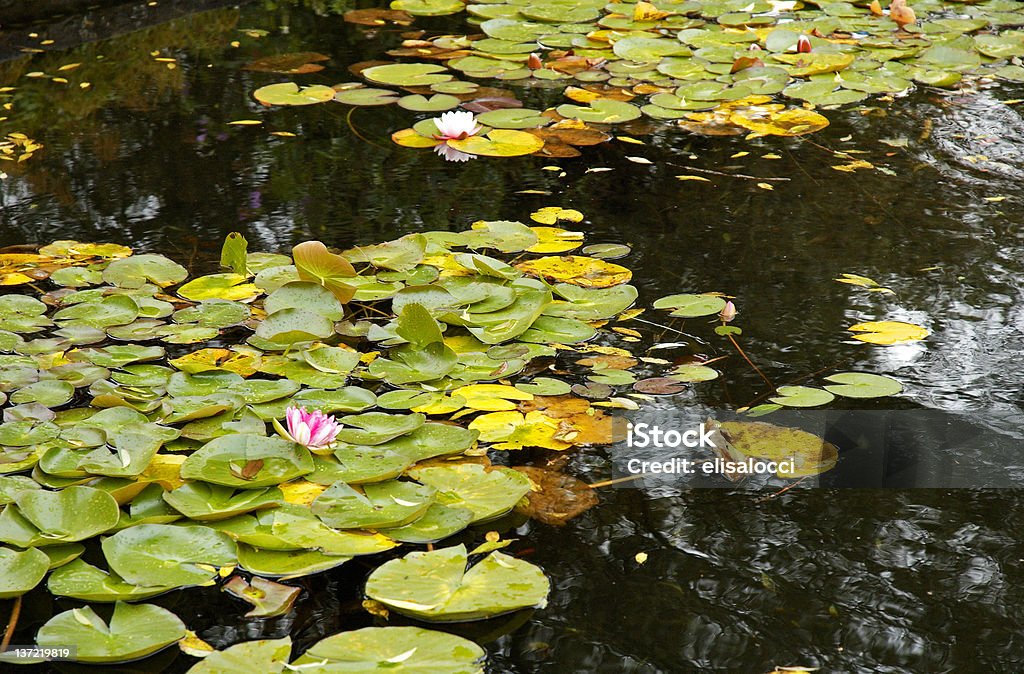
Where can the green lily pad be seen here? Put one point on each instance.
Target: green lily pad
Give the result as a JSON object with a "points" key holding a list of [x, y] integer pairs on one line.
{"points": [[691, 306], [802, 396], [201, 501], [135, 631], [863, 385], [429, 7], [286, 563], [439, 522], [71, 514], [436, 586], [137, 270], [407, 74], [112, 310], [266, 656], [435, 103], [513, 118], [488, 494], [374, 428], [290, 93], [403, 650], [20, 571], [247, 461], [382, 504], [289, 326], [49, 392], [85, 582], [366, 96], [601, 111], [168, 555], [305, 295]]}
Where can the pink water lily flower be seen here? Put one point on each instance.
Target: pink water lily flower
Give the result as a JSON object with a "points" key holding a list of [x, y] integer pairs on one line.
{"points": [[456, 125], [313, 430]]}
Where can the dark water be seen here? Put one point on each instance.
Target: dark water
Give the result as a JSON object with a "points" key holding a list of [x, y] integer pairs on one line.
{"points": [[849, 581]]}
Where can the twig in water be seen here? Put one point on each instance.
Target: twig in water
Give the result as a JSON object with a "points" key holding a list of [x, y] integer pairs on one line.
{"points": [[608, 483], [782, 491], [744, 176]]}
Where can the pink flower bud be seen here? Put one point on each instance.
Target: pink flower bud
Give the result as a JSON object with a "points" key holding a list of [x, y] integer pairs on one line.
{"points": [[728, 312], [803, 45]]}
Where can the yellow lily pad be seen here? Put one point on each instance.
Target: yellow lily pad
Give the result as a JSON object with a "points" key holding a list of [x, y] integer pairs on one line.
{"points": [[499, 143], [587, 272], [887, 333]]}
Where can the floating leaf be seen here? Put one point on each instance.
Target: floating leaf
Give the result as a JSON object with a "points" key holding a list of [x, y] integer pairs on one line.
{"points": [[888, 332], [135, 631], [167, 555], [801, 396], [862, 385], [499, 143], [436, 586], [290, 93]]}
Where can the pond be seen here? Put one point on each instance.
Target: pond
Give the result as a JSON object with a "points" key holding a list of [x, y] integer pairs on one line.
{"points": [[918, 192]]}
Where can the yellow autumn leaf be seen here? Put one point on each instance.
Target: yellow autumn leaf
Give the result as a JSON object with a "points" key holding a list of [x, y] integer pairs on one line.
{"points": [[409, 138], [192, 645], [301, 492], [514, 430], [791, 122], [555, 240], [587, 272], [491, 397], [204, 360], [165, 470], [645, 11], [245, 122], [697, 178], [549, 215], [888, 332]]}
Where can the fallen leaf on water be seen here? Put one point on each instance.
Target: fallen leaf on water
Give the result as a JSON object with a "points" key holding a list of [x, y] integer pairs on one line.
{"points": [[245, 122], [559, 497], [639, 160], [640, 557], [697, 178], [887, 333], [549, 215], [766, 186]]}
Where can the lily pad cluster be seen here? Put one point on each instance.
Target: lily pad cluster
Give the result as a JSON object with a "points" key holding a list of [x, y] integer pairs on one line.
{"points": [[713, 66], [124, 431]]}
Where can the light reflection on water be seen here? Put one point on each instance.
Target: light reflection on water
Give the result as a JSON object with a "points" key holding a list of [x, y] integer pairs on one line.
{"points": [[846, 580]]}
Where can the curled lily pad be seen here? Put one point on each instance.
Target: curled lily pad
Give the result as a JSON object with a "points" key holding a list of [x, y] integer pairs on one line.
{"points": [[436, 586], [135, 631], [286, 563]]}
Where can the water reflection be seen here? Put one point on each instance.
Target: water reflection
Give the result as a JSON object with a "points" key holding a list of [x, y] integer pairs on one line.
{"points": [[848, 581]]}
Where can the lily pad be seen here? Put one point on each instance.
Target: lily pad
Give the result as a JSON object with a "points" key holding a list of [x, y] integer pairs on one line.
{"points": [[403, 650], [168, 555], [247, 461], [20, 571], [135, 631], [435, 586], [290, 93], [863, 385]]}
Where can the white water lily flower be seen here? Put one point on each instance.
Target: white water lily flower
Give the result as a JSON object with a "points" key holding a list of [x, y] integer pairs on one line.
{"points": [[456, 125], [451, 154]]}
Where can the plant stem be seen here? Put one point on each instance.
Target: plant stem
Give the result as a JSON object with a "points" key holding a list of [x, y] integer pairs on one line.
{"points": [[750, 362], [11, 624]]}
